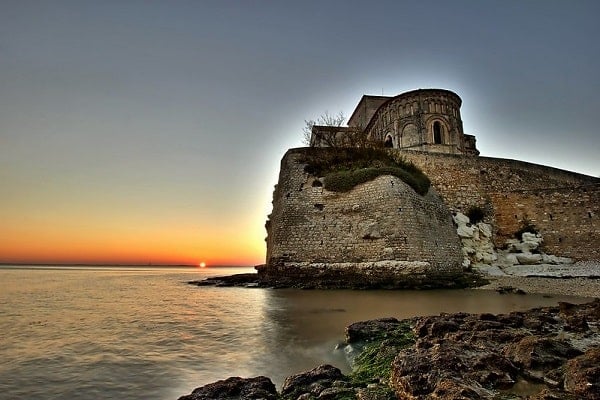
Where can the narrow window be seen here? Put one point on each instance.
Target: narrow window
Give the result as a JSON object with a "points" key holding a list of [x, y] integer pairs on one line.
{"points": [[437, 132]]}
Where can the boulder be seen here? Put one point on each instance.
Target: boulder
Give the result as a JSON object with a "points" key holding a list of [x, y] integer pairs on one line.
{"points": [[531, 241], [323, 382], [465, 231], [528, 258], [460, 219], [555, 260], [236, 388], [366, 331]]}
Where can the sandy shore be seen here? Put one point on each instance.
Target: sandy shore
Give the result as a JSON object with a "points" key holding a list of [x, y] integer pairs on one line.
{"points": [[579, 279]]}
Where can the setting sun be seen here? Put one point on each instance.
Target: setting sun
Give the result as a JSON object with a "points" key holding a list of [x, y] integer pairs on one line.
{"points": [[202, 264]]}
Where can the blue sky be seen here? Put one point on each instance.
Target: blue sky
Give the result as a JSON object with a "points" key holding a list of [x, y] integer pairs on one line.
{"points": [[165, 121]]}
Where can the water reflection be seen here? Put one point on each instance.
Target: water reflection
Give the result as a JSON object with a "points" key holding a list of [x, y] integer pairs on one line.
{"points": [[146, 334], [308, 324]]}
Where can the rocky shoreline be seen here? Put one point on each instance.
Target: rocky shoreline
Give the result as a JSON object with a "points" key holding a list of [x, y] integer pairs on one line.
{"points": [[359, 277], [541, 354]]}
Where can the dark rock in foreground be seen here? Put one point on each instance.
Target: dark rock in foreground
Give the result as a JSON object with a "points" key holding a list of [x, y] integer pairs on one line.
{"points": [[541, 354], [323, 382], [351, 276], [238, 280], [481, 356], [236, 388]]}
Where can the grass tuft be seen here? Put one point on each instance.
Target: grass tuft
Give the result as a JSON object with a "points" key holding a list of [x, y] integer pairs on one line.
{"points": [[374, 363], [345, 168]]}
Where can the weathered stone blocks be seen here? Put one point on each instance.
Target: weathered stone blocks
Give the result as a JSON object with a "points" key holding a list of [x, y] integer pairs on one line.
{"points": [[377, 221]]}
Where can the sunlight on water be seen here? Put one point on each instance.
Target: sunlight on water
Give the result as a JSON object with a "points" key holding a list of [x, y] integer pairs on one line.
{"points": [[145, 333]]}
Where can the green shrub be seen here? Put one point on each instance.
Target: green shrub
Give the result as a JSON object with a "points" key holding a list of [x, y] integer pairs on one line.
{"points": [[344, 168]]}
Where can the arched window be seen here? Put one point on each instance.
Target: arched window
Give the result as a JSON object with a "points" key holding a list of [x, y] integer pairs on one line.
{"points": [[437, 132], [388, 142]]}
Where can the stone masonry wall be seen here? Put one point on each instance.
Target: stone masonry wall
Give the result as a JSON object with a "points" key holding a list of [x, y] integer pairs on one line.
{"points": [[379, 220], [564, 206]]}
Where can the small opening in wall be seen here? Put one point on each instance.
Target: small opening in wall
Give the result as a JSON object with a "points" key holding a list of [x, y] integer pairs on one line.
{"points": [[550, 216], [437, 132], [399, 209], [388, 142], [317, 183], [319, 206], [590, 214], [516, 216], [559, 240]]}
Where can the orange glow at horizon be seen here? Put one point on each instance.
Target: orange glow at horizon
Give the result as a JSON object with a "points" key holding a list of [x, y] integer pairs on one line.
{"points": [[130, 242]]}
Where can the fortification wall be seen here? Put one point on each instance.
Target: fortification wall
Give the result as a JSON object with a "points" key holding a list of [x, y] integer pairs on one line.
{"points": [[564, 206], [376, 221]]}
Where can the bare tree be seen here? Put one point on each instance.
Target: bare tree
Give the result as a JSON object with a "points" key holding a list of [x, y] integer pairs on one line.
{"points": [[330, 133], [328, 120]]}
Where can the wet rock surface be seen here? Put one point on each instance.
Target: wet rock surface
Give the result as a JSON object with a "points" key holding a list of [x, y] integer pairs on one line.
{"points": [[323, 382], [541, 354], [468, 356], [389, 275], [236, 388], [238, 280]]}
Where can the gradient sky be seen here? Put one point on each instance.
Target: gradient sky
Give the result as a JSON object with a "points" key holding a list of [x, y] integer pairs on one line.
{"points": [[151, 131]]}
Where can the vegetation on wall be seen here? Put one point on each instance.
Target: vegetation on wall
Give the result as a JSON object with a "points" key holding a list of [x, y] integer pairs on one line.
{"points": [[374, 363], [344, 168]]}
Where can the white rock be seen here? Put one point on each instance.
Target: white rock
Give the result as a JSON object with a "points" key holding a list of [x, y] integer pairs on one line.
{"points": [[460, 219], [465, 231], [491, 270], [485, 229], [555, 260], [510, 259], [488, 258], [531, 241], [528, 258]]}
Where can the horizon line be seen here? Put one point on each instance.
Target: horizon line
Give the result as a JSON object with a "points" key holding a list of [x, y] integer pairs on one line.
{"points": [[112, 264]]}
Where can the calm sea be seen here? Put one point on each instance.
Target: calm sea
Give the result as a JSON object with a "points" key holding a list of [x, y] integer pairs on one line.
{"points": [[143, 333]]}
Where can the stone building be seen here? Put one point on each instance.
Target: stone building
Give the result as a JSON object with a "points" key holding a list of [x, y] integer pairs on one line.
{"points": [[424, 119], [382, 233]]}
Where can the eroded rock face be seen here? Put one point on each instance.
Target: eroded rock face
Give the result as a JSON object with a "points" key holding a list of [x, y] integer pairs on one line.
{"points": [[582, 375], [467, 356], [480, 253]]}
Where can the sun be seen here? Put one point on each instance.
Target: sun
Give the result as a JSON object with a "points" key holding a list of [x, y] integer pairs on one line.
{"points": [[202, 264]]}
